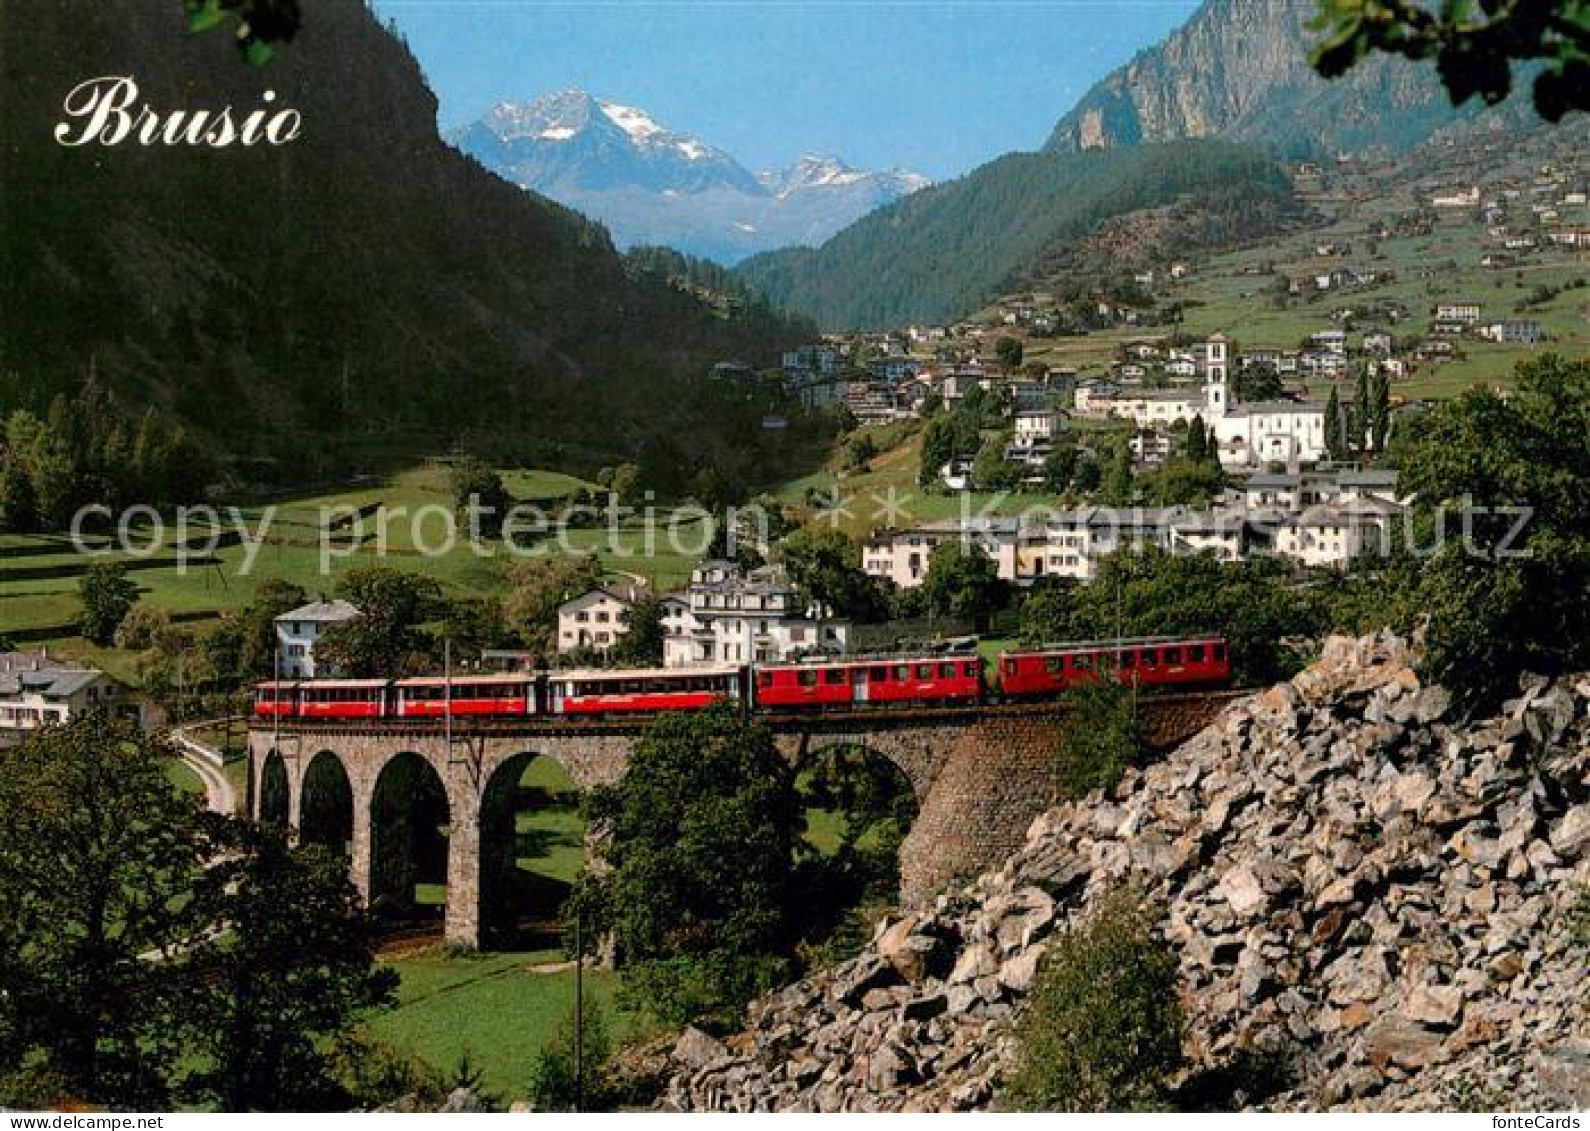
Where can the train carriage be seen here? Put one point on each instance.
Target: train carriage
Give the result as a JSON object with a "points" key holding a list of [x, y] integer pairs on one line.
{"points": [[276, 699], [840, 683], [1146, 662], [469, 696], [634, 691], [343, 699]]}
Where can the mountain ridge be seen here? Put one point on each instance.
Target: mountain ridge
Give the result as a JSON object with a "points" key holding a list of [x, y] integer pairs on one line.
{"points": [[360, 296], [940, 253], [651, 185]]}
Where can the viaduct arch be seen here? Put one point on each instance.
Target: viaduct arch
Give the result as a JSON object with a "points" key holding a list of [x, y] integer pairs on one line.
{"points": [[412, 808]]}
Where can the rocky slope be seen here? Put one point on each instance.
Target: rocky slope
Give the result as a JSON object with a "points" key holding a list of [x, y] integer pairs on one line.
{"points": [[1239, 70], [1358, 883]]}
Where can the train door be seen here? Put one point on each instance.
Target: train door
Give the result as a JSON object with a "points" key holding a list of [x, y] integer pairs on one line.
{"points": [[858, 685]]}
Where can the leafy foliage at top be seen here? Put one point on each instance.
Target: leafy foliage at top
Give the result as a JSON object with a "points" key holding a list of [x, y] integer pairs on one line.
{"points": [[942, 252], [1474, 51]]}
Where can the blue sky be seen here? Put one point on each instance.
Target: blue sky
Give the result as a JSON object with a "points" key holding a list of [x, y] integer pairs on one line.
{"points": [[930, 86]]}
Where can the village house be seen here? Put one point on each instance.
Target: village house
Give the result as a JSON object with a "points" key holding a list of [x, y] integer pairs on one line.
{"points": [[37, 690], [297, 631], [596, 620], [1514, 332], [738, 616], [1459, 312]]}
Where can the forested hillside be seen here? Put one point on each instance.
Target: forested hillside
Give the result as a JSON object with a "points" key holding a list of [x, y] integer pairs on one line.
{"points": [[944, 251], [362, 295]]}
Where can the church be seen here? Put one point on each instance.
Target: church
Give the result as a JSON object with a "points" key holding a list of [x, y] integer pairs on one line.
{"points": [[1257, 434]]}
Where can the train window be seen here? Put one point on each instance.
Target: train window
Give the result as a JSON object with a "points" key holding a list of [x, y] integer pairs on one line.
{"points": [[971, 668], [1195, 653], [1173, 655], [924, 671], [1220, 651], [902, 672], [808, 678], [946, 671], [880, 675], [764, 679], [1053, 665], [1150, 658], [1082, 663], [834, 675], [858, 675], [1125, 660], [1010, 667]]}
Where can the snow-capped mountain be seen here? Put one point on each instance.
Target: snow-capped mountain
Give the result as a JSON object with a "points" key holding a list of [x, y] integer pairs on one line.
{"points": [[653, 185]]}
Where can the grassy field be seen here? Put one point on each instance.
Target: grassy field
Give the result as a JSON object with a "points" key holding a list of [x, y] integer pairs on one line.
{"points": [[500, 1009], [183, 778], [503, 1008], [416, 508]]}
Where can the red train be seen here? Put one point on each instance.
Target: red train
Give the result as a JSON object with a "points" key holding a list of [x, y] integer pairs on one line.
{"points": [[843, 683]]}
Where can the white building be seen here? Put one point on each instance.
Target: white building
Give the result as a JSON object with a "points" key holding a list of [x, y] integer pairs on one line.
{"points": [[37, 691], [297, 631], [735, 616], [1257, 433], [596, 619], [903, 556]]}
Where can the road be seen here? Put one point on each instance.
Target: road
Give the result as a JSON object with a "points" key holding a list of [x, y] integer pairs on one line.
{"points": [[206, 762]]}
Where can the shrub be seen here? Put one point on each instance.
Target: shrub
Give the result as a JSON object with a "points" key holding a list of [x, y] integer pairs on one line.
{"points": [[1101, 738], [1103, 1029]]}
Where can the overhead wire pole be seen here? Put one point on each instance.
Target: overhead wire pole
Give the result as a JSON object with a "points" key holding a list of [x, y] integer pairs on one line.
{"points": [[579, 1007]]}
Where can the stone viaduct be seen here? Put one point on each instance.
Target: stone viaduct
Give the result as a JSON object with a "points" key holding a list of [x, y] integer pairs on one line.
{"points": [[383, 789]]}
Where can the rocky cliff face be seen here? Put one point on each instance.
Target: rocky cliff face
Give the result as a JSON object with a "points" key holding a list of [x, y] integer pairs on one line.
{"points": [[1358, 884], [1239, 70]]}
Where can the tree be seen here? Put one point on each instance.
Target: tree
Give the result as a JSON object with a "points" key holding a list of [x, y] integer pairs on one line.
{"points": [[702, 835], [1257, 383], [991, 471], [1103, 1029], [1379, 422], [1473, 51], [100, 868], [297, 970], [145, 626], [386, 637], [962, 581], [1507, 597], [554, 1083], [1198, 450], [1101, 736], [19, 509], [1060, 468], [641, 643], [106, 594], [540, 585], [825, 566], [476, 487], [1009, 351], [1336, 445]]}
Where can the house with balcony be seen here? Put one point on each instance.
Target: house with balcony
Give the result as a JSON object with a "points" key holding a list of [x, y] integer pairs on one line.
{"points": [[739, 616]]}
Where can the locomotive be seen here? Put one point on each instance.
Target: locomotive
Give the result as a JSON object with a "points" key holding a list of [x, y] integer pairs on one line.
{"points": [[835, 683]]}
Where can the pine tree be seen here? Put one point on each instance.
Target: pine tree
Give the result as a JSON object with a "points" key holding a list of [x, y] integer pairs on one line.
{"points": [[1361, 411], [1335, 430], [1197, 441]]}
